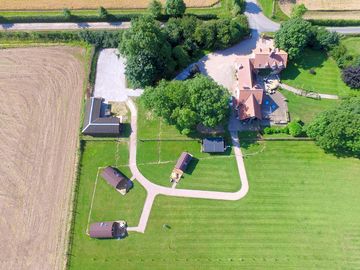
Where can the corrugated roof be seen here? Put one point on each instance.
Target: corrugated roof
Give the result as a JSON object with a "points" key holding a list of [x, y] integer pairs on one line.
{"points": [[213, 145], [103, 229], [115, 178]]}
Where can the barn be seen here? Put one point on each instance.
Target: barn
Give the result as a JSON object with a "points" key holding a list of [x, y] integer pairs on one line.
{"points": [[117, 180], [180, 167], [113, 229]]}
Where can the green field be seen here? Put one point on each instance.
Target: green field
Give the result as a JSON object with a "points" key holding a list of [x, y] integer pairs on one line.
{"points": [[156, 159], [306, 108], [267, 8], [327, 79], [353, 45], [302, 212]]}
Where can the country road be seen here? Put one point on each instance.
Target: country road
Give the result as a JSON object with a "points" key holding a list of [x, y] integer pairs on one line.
{"points": [[257, 20]]}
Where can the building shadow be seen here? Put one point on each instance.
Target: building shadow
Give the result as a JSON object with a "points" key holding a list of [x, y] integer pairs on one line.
{"points": [[252, 8], [192, 166]]}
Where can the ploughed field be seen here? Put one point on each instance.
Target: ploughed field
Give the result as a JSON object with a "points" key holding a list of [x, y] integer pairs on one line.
{"points": [[89, 4], [41, 90]]}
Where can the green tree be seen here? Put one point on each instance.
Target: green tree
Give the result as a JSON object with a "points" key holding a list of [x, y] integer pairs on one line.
{"points": [[294, 36], [147, 52], [186, 104], [295, 128], [67, 13], [298, 11], [181, 57], [155, 8], [325, 39], [175, 7], [337, 130], [103, 14]]}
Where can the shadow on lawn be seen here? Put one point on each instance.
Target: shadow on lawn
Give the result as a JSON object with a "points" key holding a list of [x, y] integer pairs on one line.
{"points": [[310, 59]]}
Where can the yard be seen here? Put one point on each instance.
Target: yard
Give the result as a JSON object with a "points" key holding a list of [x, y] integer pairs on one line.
{"points": [[156, 159], [353, 45], [302, 211], [327, 79], [267, 8], [306, 108]]}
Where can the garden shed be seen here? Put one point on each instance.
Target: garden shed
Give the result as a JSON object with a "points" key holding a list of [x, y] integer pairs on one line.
{"points": [[213, 145], [113, 229], [116, 179], [180, 167]]}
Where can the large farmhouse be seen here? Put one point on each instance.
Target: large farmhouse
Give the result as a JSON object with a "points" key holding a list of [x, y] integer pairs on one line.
{"points": [[97, 121], [248, 90]]}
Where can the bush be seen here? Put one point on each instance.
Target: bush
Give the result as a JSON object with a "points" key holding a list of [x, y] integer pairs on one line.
{"points": [[325, 39], [67, 14], [102, 13], [337, 130], [155, 8], [181, 57], [351, 76], [298, 11], [295, 128], [312, 71], [276, 130], [330, 22], [175, 7]]}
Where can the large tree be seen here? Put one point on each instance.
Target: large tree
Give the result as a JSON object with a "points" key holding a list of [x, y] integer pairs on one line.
{"points": [[186, 104], [337, 130], [175, 7], [147, 52], [294, 36]]}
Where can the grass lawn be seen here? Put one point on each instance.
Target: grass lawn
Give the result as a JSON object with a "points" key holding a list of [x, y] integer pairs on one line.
{"points": [[302, 212], [267, 8], [306, 108], [353, 45], [327, 79], [156, 159]]}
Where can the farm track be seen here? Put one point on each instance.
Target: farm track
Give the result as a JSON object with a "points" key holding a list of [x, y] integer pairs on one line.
{"points": [[41, 89]]}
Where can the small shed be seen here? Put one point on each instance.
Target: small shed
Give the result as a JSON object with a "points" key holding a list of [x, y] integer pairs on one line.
{"points": [[116, 179], [213, 145], [180, 167], [113, 229]]}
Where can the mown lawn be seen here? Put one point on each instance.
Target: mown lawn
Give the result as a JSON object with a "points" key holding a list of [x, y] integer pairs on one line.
{"points": [[156, 159], [327, 79], [267, 8], [353, 45], [304, 108], [301, 212]]}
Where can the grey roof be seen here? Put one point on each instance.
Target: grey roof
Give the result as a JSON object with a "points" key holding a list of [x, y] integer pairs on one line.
{"points": [[213, 145], [106, 230], [115, 178], [183, 161], [95, 123]]}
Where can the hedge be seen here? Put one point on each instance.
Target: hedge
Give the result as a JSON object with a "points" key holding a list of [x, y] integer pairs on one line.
{"points": [[330, 22], [88, 18]]}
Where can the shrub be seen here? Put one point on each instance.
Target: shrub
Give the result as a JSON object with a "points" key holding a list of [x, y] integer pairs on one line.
{"points": [[325, 39], [67, 14], [356, 62], [102, 13], [330, 22], [298, 11], [312, 71], [155, 8], [276, 130], [175, 7], [295, 128], [351, 76], [181, 57]]}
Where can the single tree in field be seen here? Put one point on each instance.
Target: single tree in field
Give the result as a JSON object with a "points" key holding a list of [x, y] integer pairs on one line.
{"points": [[67, 13], [337, 130], [102, 13], [294, 36], [155, 8], [175, 7]]}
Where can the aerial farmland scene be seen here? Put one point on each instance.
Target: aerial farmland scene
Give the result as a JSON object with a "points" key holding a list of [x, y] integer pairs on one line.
{"points": [[180, 134]]}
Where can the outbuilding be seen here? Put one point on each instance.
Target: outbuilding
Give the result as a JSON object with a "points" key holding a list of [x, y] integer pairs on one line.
{"points": [[116, 179], [213, 145], [113, 229], [180, 167], [98, 120]]}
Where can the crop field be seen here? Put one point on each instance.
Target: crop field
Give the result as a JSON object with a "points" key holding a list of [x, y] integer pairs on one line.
{"points": [[41, 89], [302, 212], [325, 9], [89, 4]]}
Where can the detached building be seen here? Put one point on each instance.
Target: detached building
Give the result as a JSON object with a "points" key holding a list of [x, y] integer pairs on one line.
{"points": [[180, 167], [213, 145], [116, 179], [114, 229], [97, 121]]}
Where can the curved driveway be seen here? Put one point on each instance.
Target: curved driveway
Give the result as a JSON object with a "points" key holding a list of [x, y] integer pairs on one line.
{"points": [[154, 189]]}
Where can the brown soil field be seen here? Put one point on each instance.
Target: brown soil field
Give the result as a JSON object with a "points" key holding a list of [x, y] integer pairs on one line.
{"points": [[322, 5], [89, 4], [41, 89], [334, 15]]}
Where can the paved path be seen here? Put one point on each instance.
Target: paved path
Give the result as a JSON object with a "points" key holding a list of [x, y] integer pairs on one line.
{"points": [[154, 189], [299, 92]]}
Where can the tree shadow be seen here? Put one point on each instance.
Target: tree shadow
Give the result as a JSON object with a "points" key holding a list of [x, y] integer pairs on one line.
{"points": [[252, 8], [248, 138]]}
